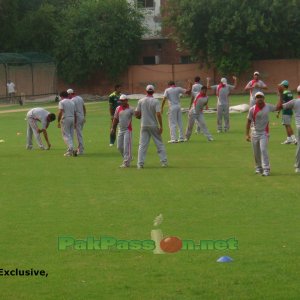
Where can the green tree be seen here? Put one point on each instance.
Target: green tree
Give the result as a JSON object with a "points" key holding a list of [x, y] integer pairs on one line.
{"points": [[97, 35], [231, 33]]}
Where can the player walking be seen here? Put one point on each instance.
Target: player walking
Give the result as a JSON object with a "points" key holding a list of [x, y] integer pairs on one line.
{"points": [[258, 120], [34, 116], [149, 111], [123, 117], [80, 118], [66, 121]]}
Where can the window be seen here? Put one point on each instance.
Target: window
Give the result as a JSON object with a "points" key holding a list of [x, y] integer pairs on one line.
{"points": [[149, 60], [145, 3]]}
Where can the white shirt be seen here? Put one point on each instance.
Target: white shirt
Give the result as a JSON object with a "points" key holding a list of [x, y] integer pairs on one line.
{"points": [[11, 87], [68, 108]]}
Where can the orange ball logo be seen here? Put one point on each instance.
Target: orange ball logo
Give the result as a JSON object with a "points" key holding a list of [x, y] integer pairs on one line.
{"points": [[171, 244]]}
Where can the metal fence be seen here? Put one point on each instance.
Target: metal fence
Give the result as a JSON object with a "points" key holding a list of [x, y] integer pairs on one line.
{"points": [[33, 74]]}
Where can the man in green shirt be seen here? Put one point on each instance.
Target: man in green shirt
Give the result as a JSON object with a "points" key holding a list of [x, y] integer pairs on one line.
{"points": [[287, 114], [114, 102]]}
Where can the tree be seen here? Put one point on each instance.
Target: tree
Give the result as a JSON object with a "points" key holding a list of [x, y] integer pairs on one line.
{"points": [[97, 35], [231, 33]]}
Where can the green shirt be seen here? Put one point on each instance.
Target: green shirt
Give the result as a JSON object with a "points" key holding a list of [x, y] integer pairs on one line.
{"points": [[286, 97], [114, 101]]}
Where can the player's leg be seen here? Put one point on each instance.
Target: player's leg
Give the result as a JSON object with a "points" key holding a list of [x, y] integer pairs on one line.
{"points": [[203, 126], [161, 150], [257, 154], [29, 137], [112, 137], [127, 148], [226, 117], [143, 146], [172, 123], [34, 127], [79, 128], [264, 140], [297, 164], [190, 125], [120, 142], [180, 124], [219, 118]]}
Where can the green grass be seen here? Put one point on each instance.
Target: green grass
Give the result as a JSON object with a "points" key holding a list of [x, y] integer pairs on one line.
{"points": [[209, 192]]}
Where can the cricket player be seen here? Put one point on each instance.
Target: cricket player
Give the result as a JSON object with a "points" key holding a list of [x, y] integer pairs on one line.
{"points": [[196, 88], [80, 118], [222, 90], [253, 86], [66, 121], [114, 102], [149, 111], [295, 105], [172, 93], [34, 116], [196, 114], [123, 117], [258, 120], [286, 96]]}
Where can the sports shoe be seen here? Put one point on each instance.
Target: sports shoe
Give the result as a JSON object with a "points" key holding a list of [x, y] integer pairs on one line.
{"points": [[164, 165], [29, 147], [123, 166], [258, 171], [297, 170], [140, 166], [295, 142], [74, 152], [68, 154], [219, 131], [185, 140], [210, 139], [265, 173], [180, 140], [172, 141], [286, 142], [111, 145]]}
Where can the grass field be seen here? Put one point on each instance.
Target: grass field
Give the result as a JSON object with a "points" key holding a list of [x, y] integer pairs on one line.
{"points": [[208, 192]]}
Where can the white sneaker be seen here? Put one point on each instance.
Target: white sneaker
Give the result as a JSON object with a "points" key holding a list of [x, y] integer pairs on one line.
{"points": [[123, 166], [111, 145], [297, 170], [185, 140], [172, 141], [286, 142], [258, 171], [140, 166], [265, 173], [164, 165], [219, 131], [210, 139], [68, 154]]}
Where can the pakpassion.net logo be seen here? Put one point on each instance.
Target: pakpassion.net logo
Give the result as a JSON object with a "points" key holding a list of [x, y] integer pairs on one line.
{"points": [[158, 243], [170, 244]]}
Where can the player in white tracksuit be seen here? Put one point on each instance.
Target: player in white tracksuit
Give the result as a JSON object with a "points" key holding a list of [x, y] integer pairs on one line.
{"points": [[80, 119], [149, 111], [196, 87], [34, 116], [295, 105], [196, 114], [223, 90], [258, 121], [172, 93], [66, 121], [123, 117]]}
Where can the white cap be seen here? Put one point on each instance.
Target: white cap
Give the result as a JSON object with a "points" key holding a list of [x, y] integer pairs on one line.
{"points": [[224, 80], [256, 73], [123, 97], [298, 88], [70, 91], [259, 94], [150, 87]]}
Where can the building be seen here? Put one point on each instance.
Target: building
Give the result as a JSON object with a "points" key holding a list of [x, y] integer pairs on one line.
{"points": [[157, 47]]}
